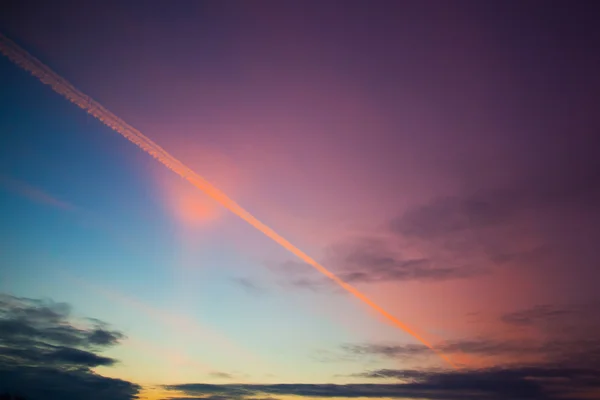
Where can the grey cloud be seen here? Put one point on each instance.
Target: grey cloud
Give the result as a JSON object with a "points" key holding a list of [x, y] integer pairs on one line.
{"points": [[535, 382], [298, 274], [217, 397], [43, 355], [47, 321], [55, 384], [575, 351], [68, 355], [372, 261], [249, 285], [481, 347], [102, 337], [536, 314], [446, 215], [577, 323], [222, 375], [539, 383], [538, 213], [57, 356]]}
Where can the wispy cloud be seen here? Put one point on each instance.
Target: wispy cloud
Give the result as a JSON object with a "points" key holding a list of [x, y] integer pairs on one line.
{"points": [[537, 314], [34, 193], [250, 286]]}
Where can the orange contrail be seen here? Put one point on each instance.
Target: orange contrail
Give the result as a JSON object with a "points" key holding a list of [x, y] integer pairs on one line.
{"points": [[29, 63]]}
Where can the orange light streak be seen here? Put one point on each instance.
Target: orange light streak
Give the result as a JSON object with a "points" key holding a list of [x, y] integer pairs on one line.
{"points": [[29, 63]]}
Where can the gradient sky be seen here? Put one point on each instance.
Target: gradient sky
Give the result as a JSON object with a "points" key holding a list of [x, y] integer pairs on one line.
{"points": [[442, 157]]}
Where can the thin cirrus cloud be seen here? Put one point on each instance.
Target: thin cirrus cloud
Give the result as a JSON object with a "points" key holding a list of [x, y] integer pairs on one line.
{"points": [[34, 193]]}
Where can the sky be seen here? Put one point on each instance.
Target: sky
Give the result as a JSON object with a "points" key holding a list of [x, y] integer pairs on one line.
{"points": [[440, 157]]}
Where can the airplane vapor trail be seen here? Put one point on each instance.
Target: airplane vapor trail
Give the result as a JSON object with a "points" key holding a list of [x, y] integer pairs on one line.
{"points": [[29, 63]]}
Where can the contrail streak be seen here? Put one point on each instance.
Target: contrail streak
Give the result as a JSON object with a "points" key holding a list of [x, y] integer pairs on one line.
{"points": [[29, 63]]}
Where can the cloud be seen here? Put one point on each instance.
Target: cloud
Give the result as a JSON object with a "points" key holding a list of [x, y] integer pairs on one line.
{"points": [[536, 213], [299, 275], [560, 335], [249, 285], [46, 323], [370, 260], [33, 193], [501, 383], [58, 356], [463, 236], [221, 375], [445, 239], [572, 352], [540, 313], [539, 383], [514, 349], [44, 355], [572, 321], [54, 384], [217, 397], [446, 215]]}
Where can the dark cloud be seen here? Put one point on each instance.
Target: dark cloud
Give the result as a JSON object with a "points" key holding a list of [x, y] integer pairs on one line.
{"points": [[217, 397], [561, 351], [57, 356], [44, 355], [504, 383], [52, 383], [46, 321], [102, 337], [494, 384]]}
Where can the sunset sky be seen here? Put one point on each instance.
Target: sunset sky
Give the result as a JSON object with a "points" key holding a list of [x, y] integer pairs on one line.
{"points": [[441, 157]]}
